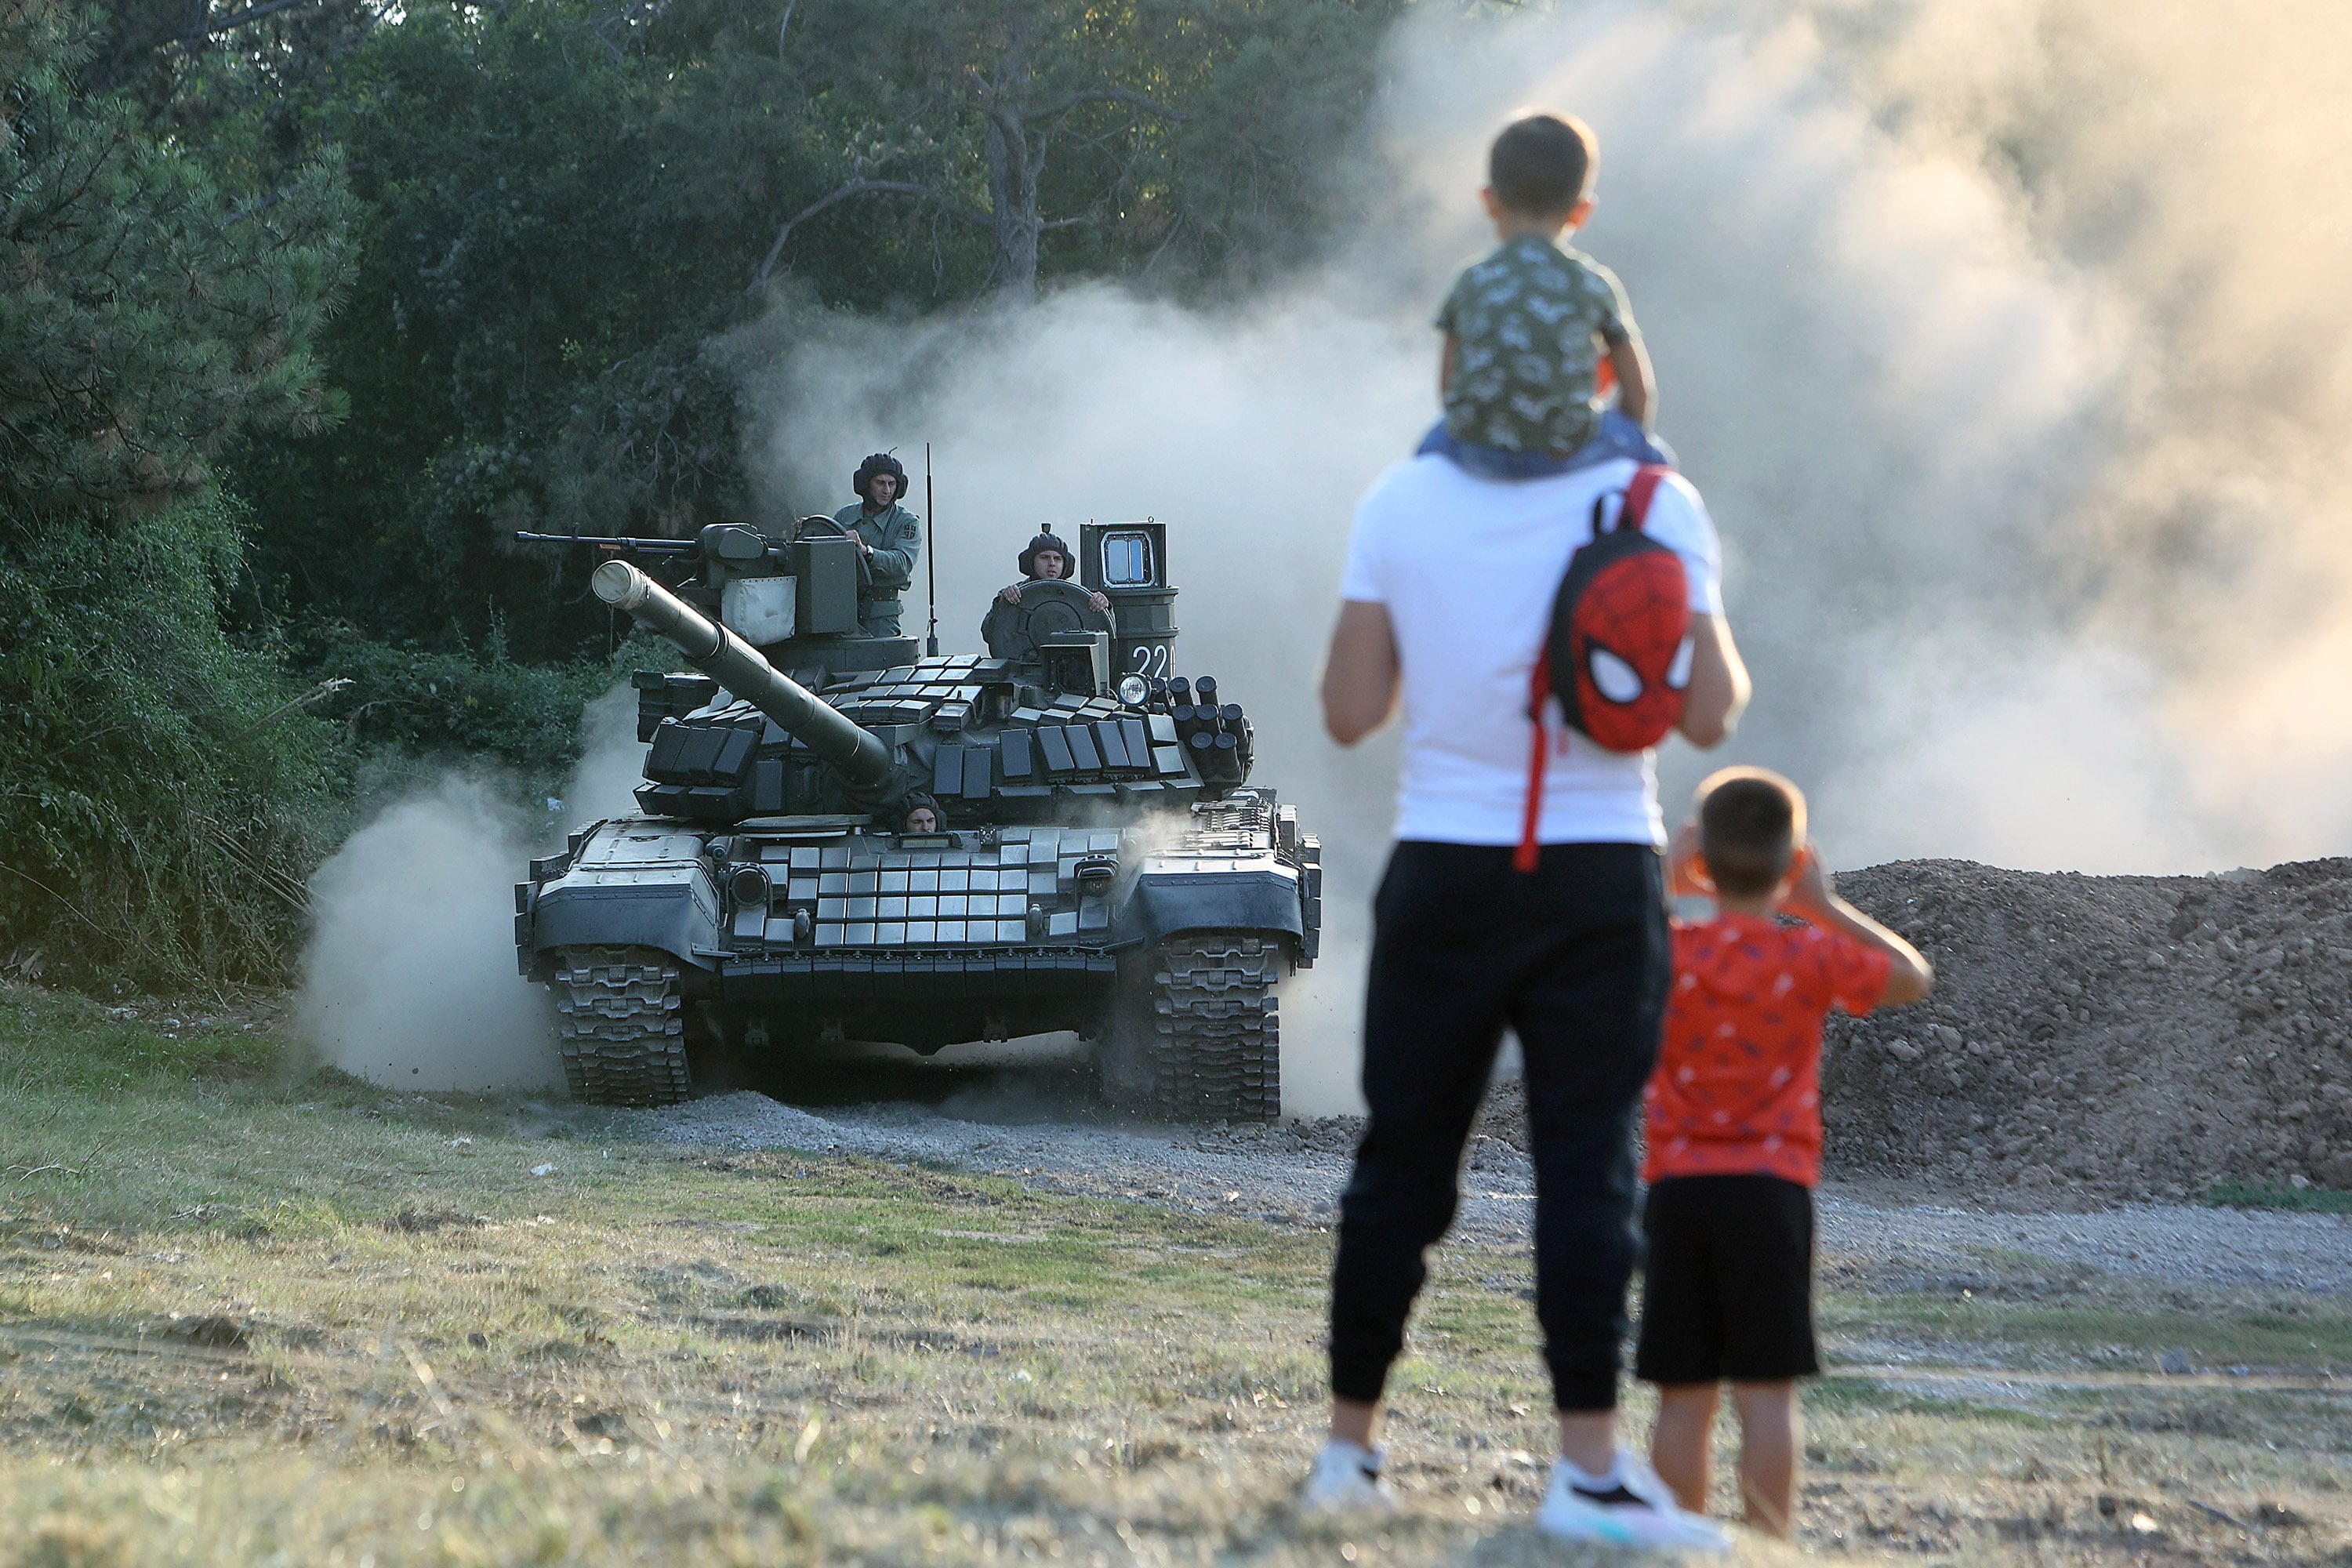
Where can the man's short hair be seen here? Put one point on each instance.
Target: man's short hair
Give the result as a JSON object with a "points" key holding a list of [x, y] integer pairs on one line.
{"points": [[1542, 163], [1749, 822]]}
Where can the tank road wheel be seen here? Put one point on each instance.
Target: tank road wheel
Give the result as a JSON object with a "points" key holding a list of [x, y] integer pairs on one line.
{"points": [[621, 1028], [1202, 1041]]}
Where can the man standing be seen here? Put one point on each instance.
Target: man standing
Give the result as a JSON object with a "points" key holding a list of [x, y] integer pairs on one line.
{"points": [[1447, 591], [889, 538]]}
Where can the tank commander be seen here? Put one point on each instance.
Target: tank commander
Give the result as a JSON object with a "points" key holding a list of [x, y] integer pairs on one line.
{"points": [[889, 539], [1046, 560]]}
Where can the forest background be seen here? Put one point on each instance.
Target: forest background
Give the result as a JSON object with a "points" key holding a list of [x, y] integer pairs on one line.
{"points": [[308, 306]]}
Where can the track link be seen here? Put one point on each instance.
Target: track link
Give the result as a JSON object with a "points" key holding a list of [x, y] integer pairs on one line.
{"points": [[1219, 1039], [622, 1032]]}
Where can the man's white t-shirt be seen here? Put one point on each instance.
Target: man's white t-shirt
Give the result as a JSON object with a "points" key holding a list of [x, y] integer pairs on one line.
{"points": [[1468, 568]]}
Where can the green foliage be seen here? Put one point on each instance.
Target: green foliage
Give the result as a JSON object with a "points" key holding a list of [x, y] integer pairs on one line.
{"points": [[141, 321], [439, 705], [543, 258], [160, 800], [2293, 1200], [1015, 140]]}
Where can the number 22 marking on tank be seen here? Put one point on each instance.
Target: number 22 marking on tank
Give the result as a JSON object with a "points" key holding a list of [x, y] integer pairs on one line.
{"points": [[1150, 660]]}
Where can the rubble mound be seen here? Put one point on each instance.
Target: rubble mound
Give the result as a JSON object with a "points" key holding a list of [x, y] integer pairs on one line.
{"points": [[2121, 1036]]}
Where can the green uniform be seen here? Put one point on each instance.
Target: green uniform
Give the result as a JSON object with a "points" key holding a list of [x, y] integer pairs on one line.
{"points": [[1531, 319], [896, 538]]}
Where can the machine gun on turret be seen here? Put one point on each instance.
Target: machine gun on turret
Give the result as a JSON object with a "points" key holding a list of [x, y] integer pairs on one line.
{"points": [[626, 546], [800, 591]]}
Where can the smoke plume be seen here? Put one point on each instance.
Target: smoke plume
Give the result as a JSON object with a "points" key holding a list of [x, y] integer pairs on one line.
{"points": [[409, 980]]}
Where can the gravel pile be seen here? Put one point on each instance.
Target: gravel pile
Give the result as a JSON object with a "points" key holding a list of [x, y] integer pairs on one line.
{"points": [[2109, 1036]]}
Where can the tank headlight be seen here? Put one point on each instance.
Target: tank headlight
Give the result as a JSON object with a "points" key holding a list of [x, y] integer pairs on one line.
{"points": [[1133, 690], [748, 887]]}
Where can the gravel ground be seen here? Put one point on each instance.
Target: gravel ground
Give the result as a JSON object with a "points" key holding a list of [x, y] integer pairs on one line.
{"points": [[1291, 1174]]}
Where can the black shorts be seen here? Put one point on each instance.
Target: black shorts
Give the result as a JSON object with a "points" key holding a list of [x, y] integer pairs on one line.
{"points": [[1727, 1285]]}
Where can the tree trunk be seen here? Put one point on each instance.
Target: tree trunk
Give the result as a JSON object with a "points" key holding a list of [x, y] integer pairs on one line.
{"points": [[1013, 171], [1014, 168]]}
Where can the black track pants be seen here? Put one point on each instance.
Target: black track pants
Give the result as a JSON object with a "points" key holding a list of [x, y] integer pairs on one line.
{"points": [[1575, 958]]}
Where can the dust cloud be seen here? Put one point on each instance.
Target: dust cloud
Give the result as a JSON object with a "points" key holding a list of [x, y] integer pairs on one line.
{"points": [[409, 979], [2004, 340]]}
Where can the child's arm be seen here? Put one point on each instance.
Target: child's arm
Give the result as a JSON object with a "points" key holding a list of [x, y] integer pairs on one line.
{"points": [[1686, 875], [1636, 389], [1812, 898], [1446, 363]]}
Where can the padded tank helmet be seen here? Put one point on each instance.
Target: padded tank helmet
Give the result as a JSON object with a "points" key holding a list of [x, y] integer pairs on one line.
{"points": [[1046, 540], [878, 463]]}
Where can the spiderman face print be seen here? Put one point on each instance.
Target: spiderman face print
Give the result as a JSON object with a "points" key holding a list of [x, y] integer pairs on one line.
{"points": [[1630, 641]]}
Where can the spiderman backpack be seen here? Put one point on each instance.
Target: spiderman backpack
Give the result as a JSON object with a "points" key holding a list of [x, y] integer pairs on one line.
{"points": [[1618, 652]]}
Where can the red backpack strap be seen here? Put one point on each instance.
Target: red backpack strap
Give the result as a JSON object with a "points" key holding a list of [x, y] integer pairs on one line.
{"points": [[1529, 853], [1645, 484]]}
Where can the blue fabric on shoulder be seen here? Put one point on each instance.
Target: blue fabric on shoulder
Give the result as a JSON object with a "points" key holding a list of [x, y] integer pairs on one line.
{"points": [[1616, 436]]}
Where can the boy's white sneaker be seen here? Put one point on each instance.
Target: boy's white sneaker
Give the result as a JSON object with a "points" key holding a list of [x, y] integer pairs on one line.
{"points": [[1346, 1479], [1630, 1507]]}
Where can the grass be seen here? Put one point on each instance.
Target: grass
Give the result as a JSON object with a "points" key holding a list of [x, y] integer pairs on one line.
{"points": [[2293, 1200], [247, 1316]]}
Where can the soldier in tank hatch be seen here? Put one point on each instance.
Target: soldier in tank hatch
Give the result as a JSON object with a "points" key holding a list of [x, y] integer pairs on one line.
{"points": [[889, 539], [920, 814], [1046, 560]]}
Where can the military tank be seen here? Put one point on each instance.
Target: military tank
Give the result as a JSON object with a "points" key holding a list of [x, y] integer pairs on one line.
{"points": [[1096, 858]]}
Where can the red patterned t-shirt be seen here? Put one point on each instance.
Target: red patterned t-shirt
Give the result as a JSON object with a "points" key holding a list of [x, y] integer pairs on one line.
{"points": [[1738, 1089]]}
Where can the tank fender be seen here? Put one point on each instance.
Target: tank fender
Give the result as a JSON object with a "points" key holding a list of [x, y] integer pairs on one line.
{"points": [[1168, 898], [632, 884]]}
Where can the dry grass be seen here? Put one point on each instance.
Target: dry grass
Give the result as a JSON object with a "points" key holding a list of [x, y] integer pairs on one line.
{"points": [[245, 1321]]}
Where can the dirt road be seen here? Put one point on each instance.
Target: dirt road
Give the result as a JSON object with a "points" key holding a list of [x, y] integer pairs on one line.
{"points": [[1291, 1174]]}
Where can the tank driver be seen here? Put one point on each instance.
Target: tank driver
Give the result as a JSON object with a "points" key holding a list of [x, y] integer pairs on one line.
{"points": [[1046, 560], [889, 539]]}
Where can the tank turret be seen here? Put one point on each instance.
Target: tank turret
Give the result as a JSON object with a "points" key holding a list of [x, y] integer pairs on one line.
{"points": [[866, 767]]}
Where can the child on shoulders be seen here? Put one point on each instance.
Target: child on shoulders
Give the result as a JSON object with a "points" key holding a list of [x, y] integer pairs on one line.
{"points": [[1735, 1131], [1530, 326]]}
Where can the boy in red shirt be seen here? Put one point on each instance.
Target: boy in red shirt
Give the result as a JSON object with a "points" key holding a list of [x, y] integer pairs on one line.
{"points": [[1734, 1132]]}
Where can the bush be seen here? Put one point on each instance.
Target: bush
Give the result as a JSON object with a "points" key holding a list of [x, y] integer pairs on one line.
{"points": [[163, 790], [468, 705]]}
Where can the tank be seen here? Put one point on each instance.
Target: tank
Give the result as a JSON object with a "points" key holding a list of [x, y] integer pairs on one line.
{"points": [[1102, 861]]}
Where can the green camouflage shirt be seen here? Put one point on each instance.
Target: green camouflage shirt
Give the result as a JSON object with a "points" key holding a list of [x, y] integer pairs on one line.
{"points": [[1530, 319]]}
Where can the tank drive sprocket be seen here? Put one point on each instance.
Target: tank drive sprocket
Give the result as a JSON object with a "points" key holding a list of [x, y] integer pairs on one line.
{"points": [[620, 1027], [1213, 1047]]}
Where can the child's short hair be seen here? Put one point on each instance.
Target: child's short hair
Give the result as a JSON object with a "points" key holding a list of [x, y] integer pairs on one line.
{"points": [[1542, 163], [1749, 822]]}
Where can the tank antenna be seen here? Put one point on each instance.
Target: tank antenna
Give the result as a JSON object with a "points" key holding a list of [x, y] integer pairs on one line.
{"points": [[931, 559]]}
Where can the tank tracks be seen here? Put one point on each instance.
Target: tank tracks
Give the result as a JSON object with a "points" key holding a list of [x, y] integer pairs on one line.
{"points": [[620, 1026], [1215, 1046]]}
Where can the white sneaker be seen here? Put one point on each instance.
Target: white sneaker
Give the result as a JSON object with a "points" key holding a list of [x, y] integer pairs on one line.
{"points": [[1347, 1479], [1632, 1507]]}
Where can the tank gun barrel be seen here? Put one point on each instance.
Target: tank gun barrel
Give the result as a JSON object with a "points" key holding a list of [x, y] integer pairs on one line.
{"points": [[863, 760]]}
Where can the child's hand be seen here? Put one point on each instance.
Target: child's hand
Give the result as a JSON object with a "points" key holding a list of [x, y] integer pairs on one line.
{"points": [[1810, 892], [1686, 875]]}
